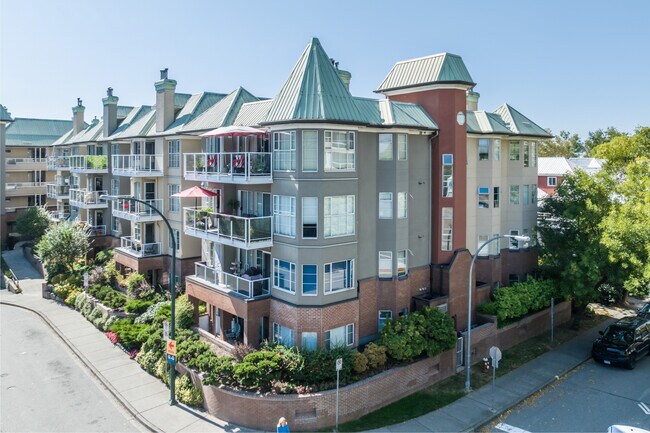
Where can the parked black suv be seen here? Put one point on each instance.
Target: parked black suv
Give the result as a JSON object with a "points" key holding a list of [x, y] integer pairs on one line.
{"points": [[623, 342]]}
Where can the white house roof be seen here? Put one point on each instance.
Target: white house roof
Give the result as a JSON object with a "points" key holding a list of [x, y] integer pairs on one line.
{"points": [[589, 165], [553, 166]]}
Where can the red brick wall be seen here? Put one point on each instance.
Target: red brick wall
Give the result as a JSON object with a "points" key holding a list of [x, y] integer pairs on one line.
{"points": [[542, 183]]}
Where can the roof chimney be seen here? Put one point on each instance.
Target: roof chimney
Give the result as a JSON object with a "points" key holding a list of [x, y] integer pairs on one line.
{"points": [[165, 96], [345, 76], [110, 112], [472, 100], [78, 123]]}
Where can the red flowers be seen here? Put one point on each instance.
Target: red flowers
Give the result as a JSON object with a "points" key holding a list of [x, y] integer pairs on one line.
{"points": [[113, 337], [133, 353]]}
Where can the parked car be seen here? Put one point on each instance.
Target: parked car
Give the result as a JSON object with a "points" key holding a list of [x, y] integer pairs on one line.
{"points": [[644, 311], [624, 342]]}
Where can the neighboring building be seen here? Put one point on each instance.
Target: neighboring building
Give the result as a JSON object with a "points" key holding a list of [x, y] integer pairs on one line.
{"points": [[5, 119], [553, 170]]}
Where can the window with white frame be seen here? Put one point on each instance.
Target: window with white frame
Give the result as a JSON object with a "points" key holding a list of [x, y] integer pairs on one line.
{"points": [[496, 196], [495, 246], [483, 149], [338, 216], [309, 341], [174, 202], [533, 153], [447, 228], [115, 225], [533, 194], [339, 150], [447, 175], [483, 197], [284, 215], [514, 151], [402, 147], [496, 144], [309, 280], [174, 149], [526, 154], [551, 181], [115, 186], [309, 151], [384, 316], [385, 205], [481, 240], [137, 232], [526, 244], [402, 205], [402, 263], [385, 147], [385, 267], [310, 217], [177, 238], [338, 276], [284, 151], [514, 243], [115, 148], [514, 194], [526, 194], [341, 336], [283, 335], [284, 275]]}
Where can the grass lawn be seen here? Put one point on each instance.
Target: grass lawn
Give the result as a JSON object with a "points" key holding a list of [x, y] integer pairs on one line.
{"points": [[453, 388]]}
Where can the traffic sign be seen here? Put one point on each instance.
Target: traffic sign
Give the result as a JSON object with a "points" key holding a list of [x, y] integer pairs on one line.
{"points": [[339, 364], [165, 331], [171, 359], [171, 347], [495, 354]]}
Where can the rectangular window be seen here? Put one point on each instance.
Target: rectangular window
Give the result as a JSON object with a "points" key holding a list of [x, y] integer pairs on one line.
{"points": [[385, 264], [402, 147], [447, 228], [514, 243], [526, 244], [551, 181], [385, 205], [481, 240], [283, 335], [533, 153], [526, 194], [402, 263], [284, 215], [384, 316], [514, 194], [496, 196], [338, 276], [174, 149], [339, 151], [385, 147], [284, 275], [309, 280], [339, 216], [533, 194], [309, 341], [341, 336], [526, 154], [447, 175], [402, 205], [177, 238], [483, 149], [115, 225], [137, 232], [514, 151], [284, 151], [483, 197], [497, 149], [115, 186], [310, 217], [174, 202], [309, 150], [495, 246]]}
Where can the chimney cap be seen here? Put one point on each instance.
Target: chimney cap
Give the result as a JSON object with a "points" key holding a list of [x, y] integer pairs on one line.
{"points": [[164, 73], [109, 91], [79, 102]]}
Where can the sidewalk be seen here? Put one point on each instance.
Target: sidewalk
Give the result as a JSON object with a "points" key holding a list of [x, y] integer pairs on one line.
{"points": [[147, 398]]}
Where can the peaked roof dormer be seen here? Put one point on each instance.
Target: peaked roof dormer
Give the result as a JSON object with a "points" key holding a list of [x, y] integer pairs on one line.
{"points": [[520, 124], [314, 92], [223, 113]]}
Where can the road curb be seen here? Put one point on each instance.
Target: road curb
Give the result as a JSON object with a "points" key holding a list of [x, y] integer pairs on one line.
{"points": [[141, 419]]}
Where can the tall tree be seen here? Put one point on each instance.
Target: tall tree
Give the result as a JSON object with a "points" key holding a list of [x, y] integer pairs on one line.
{"points": [[564, 144], [62, 245], [623, 149], [33, 222], [599, 137]]}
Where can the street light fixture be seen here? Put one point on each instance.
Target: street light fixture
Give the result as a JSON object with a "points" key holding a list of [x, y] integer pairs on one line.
{"points": [[172, 279], [468, 355]]}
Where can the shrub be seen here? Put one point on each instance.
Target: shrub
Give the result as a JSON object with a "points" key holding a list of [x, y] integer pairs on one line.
{"points": [[149, 315], [319, 367], [187, 393], [130, 333], [519, 299], [239, 351], [162, 370], [184, 313], [148, 360], [359, 362], [137, 306], [258, 370], [33, 223], [104, 322], [62, 290], [376, 355], [113, 337], [103, 257], [97, 277], [191, 348], [219, 369], [137, 286], [72, 297]]}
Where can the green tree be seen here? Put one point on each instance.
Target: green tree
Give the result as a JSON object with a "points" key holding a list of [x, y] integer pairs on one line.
{"points": [[62, 245], [623, 149], [599, 137], [33, 222], [564, 144]]}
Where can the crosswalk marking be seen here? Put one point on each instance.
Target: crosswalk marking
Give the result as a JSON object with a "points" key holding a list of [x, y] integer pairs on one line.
{"points": [[644, 408], [509, 428]]}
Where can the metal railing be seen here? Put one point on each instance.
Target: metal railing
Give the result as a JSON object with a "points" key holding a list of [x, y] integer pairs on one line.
{"points": [[132, 210], [58, 162], [58, 215], [55, 191], [83, 197], [254, 167], [17, 161], [16, 185], [137, 165], [138, 248], [250, 287], [89, 163], [239, 231]]}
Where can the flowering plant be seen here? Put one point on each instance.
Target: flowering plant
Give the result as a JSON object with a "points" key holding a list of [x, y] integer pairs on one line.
{"points": [[113, 337]]}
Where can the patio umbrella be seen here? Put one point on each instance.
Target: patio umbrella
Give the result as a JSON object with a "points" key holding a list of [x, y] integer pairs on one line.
{"points": [[234, 131], [196, 192]]}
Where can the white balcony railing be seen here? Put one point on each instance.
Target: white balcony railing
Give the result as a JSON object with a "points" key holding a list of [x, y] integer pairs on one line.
{"points": [[137, 165], [17, 185], [89, 163], [241, 232], [58, 162], [15, 164], [59, 215], [134, 211], [249, 287], [57, 191], [87, 199], [229, 167], [139, 249]]}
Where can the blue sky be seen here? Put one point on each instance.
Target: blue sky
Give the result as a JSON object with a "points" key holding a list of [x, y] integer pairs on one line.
{"points": [[568, 65]]}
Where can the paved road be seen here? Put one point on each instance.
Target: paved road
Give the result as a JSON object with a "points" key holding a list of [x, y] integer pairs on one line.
{"points": [[44, 388], [590, 399]]}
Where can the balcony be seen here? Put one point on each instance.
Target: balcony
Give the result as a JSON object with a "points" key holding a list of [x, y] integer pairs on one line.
{"points": [[137, 165], [25, 164], [59, 215], [82, 198], [58, 163], [250, 288], [138, 249], [57, 191], [89, 164], [96, 230], [244, 168], [24, 188], [247, 233], [133, 211]]}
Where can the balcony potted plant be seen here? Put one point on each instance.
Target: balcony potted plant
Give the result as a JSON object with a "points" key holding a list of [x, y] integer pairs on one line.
{"points": [[233, 203]]}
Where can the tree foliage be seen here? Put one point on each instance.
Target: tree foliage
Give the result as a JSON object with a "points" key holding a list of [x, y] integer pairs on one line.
{"points": [[623, 149], [33, 223], [598, 137], [564, 144], [62, 245]]}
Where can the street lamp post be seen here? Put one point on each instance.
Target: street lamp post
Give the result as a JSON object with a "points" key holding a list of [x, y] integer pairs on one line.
{"points": [[468, 355], [172, 279]]}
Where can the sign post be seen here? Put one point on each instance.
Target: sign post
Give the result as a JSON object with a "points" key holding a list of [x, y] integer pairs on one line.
{"points": [[495, 354], [165, 330], [171, 352], [86, 279], [339, 366]]}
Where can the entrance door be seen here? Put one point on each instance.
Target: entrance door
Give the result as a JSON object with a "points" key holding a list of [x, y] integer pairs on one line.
{"points": [[149, 233], [150, 190], [99, 218], [150, 150], [99, 183]]}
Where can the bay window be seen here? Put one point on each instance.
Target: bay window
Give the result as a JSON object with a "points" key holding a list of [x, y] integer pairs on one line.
{"points": [[338, 276], [339, 216], [339, 150]]}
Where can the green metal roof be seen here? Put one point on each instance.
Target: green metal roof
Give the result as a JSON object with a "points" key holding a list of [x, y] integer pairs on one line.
{"points": [[194, 107], [435, 69], [390, 113], [314, 91], [4, 114], [90, 134], [223, 113], [520, 124], [64, 138], [180, 99], [123, 111], [35, 132], [253, 113], [481, 122], [137, 124]]}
